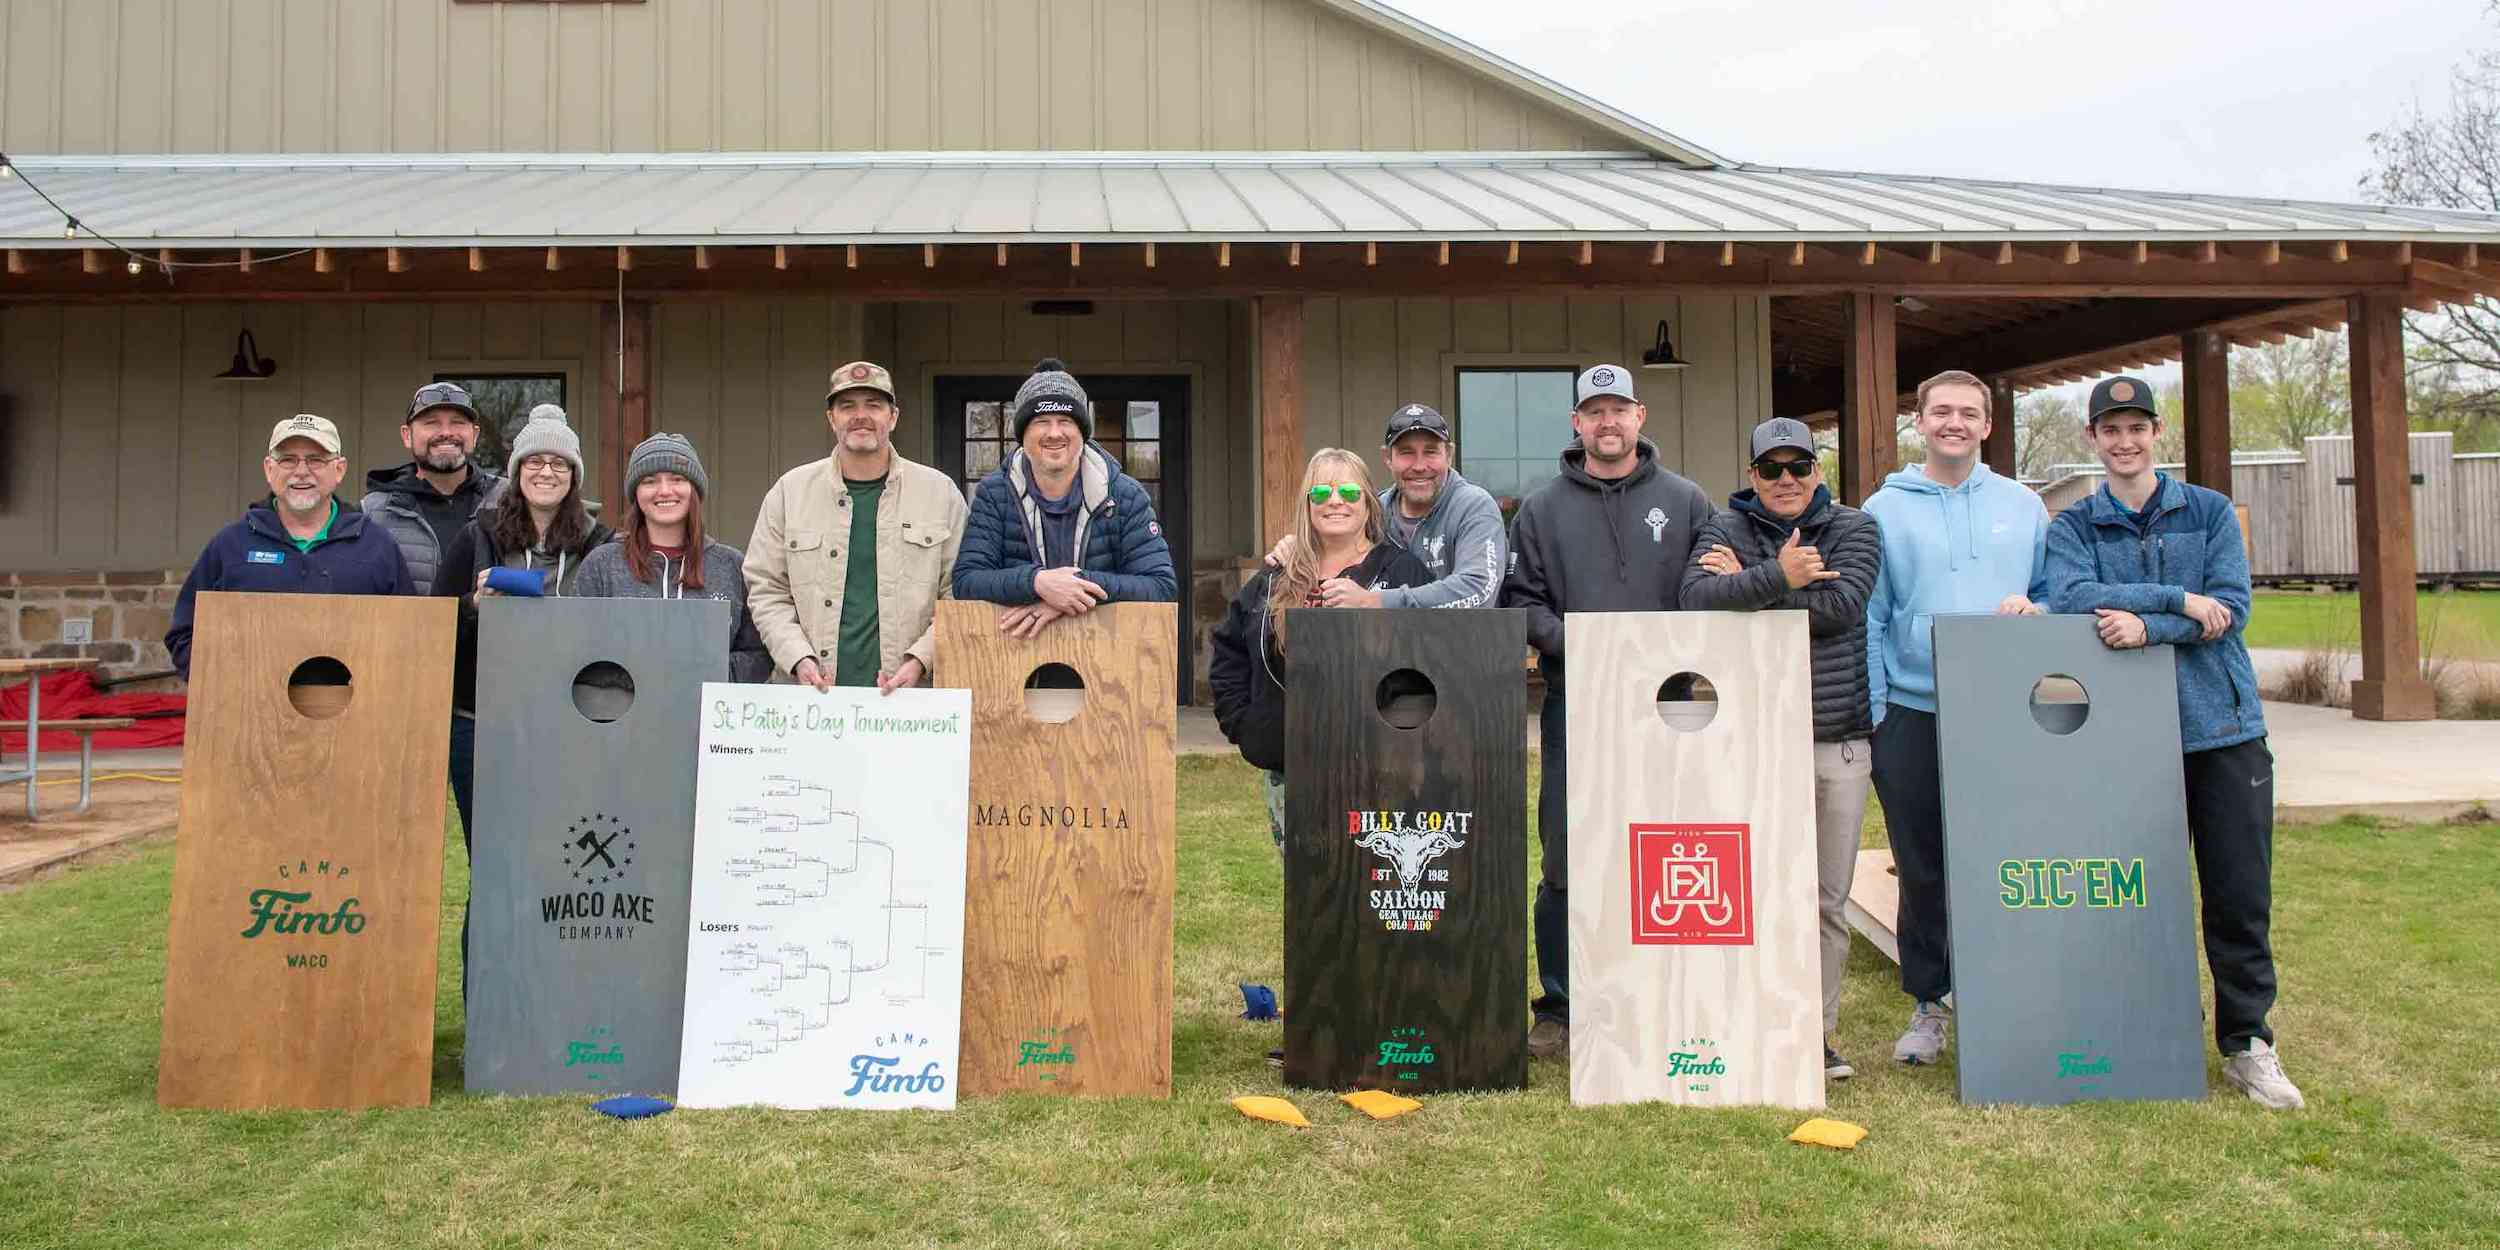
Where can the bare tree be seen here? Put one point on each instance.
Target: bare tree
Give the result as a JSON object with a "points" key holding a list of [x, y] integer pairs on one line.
{"points": [[2451, 160], [2048, 430]]}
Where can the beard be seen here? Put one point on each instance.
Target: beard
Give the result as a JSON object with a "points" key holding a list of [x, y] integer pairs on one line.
{"points": [[443, 457]]}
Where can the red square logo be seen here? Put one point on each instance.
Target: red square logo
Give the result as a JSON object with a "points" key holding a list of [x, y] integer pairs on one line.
{"points": [[1692, 885]]}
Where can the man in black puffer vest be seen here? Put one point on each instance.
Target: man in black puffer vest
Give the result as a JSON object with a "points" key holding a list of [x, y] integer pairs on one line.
{"points": [[426, 502], [1785, 544]]}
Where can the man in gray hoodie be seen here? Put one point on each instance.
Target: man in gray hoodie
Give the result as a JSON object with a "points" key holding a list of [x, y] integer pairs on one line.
{"points": [[1450, 524], [1612, 534]]}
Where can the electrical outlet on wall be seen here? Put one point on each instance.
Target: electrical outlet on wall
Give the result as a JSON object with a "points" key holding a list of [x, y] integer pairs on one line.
{"points": [[78, 630]]}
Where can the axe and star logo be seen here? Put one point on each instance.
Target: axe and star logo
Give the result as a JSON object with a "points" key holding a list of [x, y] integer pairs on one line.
{"points": [[592, 850], [596, 850], [1409, 842], [1692, 885]]}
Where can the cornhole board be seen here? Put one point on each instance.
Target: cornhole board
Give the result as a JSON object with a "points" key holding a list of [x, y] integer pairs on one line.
{"points": [[1406, 888], [308, 874], [1070, 851], [585, 832], [1695, 972], [825, 965], [2071, 908]]}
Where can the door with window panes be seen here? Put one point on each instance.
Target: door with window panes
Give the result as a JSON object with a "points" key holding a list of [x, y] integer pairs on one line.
{"points": [[1142, 420]]}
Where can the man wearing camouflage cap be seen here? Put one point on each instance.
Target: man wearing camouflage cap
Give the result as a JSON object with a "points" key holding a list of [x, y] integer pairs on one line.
{"points": [[851, 553]]}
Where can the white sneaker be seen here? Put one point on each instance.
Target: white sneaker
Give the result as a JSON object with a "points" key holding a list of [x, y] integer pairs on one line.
{"points": [[1924, 1040], [2258, 1073]]}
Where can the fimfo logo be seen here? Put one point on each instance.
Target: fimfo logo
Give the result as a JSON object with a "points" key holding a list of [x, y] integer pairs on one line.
{"points": [[2084, 1067], [877, 1074], [1405, 1051], [594, 1051], [1047, 1054], [1696, 1062], [285, 912], [1692, 885]]}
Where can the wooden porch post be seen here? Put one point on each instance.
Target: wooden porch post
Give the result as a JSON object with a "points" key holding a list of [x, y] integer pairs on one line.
{"points": [[2391, 685], [1998, 449], [2205, 395], [1870, 399], [624, 411], [1280, 413]]}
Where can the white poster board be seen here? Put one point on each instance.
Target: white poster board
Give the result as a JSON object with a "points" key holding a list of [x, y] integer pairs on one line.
{"points": [[824, 965]]}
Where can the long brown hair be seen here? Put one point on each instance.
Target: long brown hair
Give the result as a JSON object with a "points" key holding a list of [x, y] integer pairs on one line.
{"points": [[637, 539], [513, 530], [1294, 582]]}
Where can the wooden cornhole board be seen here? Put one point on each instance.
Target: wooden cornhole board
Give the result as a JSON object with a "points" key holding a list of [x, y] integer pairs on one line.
{"points": [[308, 877], [585, 830], [1069, 858], [1406, 904], [2071, 907], [1695, 974]]}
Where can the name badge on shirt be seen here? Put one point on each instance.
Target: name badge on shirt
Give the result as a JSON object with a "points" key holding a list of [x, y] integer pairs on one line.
{"points": [[267, 557]]}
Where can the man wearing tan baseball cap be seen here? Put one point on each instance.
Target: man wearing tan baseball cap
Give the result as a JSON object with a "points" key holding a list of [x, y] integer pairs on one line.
{"points": [[300, 540], [852, 552]]}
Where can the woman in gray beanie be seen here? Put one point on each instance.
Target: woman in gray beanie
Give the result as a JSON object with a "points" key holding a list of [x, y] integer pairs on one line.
{"points": [[661, 551]]}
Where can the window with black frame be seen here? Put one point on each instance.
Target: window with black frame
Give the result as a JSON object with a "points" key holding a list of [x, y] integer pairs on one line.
{"points": [[503, 402]]}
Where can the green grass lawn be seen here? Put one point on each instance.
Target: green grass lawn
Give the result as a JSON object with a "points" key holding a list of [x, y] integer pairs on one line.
{"points": [[2462, 624], [2388, 1019]]}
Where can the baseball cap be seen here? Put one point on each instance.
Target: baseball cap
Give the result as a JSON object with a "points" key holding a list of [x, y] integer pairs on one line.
{"points": [[860, 375], [306, 425], [1604, 380], [2114, 394], [434, 395], [1415, 417], [1780, 432]]}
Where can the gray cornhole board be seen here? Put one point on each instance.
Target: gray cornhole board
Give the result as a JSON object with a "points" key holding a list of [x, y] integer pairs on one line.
{"points": [[584, 845], [2068, 985]]}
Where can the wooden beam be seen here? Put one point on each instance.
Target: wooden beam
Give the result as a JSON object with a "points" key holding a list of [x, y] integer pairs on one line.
{"points": [[2464, 283], [2072, 255], [1280, 413], [1871, 398], [1000, 255], [2404, 252], [1371, 254], [90, 260], [2270, 252], [1658, 252], [1445, 254], [1866, 253], [2391, 685], [2205, 403], [555, 259], [1293, 256], [1997, 450], [624, 384], [2005, 253], [1727, 254], [1796, 254], [243, 261], [2143, 251], [321, 260], [1150, 252], [2208, 252], [477, 260], [624, 258], [928, 255], [2339, 251], [1588, 251], [396, 261], [1076, 255], [1512, 256], [1935, 253], [17, 261], [1224, 255], [2473, 256], [850, 256], [781, 256]]}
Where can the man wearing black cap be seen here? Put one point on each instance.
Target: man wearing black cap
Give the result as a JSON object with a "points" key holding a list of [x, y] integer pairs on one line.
{"points": [[425, 502], [1612, 534], [1451, 525], [2161, 563], [1785, 543], [1059, 528]]}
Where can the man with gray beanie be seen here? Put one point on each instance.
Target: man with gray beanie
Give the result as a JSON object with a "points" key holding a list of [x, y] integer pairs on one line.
{"points": [[1785, 543], [424, 502], [1059, 528]]}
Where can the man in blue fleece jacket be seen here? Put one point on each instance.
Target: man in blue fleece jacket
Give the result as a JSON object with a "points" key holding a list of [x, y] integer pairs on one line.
{"points": [[2161, 563], [1958, 538]]}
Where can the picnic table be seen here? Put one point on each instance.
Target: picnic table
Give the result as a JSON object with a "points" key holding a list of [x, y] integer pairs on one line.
{"points": [[33, 671]]}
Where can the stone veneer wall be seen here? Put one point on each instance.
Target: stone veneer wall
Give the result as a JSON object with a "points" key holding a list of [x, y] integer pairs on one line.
{"points": [[130, 611]]}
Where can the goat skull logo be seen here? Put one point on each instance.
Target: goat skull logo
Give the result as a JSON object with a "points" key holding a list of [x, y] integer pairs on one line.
{"points": [[1410, 850]]}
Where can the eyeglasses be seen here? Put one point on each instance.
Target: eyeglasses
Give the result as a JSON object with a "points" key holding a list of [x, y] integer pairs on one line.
{"points": [[1346, 492], [294, 464], [555, 465], [1770, 470]]}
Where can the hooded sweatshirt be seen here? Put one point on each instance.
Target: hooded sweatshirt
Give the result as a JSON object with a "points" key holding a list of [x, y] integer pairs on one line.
{"points": [[1460, 542], [605, 574], [1586, 544], [422, 519], [1958, 549]]}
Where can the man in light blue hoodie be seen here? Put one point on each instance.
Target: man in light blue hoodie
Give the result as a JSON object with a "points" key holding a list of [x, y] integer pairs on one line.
{"points": [[1958, 538]]}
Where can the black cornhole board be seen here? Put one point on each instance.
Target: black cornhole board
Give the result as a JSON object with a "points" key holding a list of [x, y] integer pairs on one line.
{"points": [[584, 845], [1440, 1003], [2071, 912]]}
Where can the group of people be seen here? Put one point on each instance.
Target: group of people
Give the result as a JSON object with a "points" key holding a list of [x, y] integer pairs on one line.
{"points": [[2155, 560], [849, 555]]}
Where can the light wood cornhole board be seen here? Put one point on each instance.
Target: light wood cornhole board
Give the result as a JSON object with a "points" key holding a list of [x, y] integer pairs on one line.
{"points": [[1695, 974], [1406, 912], [2071, 908], [333, 828], [1070, 856], [585, 830]]}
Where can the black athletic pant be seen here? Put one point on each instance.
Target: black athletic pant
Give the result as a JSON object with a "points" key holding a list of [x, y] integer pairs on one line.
{"points": [[2230, 811], [1552, 917], [1906, 784]]}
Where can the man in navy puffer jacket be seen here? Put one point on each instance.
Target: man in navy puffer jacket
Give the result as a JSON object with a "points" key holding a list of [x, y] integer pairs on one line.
{"points": [[2160, 562], [1059, 528]]}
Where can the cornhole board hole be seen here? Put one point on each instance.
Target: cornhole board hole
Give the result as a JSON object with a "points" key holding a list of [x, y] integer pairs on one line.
{"points": [[308, 875], [1695, 972], [587, 711], [1069, 877], [825, 967], [2071, 909], [1406, 844]]}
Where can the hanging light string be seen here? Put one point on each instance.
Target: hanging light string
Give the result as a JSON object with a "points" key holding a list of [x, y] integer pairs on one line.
{"points": [[71, 227]]}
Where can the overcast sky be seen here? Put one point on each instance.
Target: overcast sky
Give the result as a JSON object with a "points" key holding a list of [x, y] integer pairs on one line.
{"points": [[2229, 97]]}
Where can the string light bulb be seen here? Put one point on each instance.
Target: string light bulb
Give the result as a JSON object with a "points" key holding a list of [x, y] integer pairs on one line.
{"points": [[69, 227], [134, 266]]}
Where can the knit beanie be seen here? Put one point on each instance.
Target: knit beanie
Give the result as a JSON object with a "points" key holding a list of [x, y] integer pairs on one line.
{"points": [[1052, 390], [665, 453], [545, 434]]}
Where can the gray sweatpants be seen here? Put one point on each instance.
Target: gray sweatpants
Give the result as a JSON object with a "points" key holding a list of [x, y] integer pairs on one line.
{"points": [[1842, 776]]}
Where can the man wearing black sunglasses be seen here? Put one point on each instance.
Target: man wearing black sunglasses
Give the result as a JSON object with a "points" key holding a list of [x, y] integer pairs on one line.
{"points": [[1785, 543]]}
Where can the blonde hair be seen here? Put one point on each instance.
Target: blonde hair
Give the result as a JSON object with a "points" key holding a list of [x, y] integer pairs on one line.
{"points": [[1301, 574], [1957, 377]]}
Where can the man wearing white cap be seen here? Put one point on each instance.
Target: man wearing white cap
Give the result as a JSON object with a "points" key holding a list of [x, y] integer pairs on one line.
{"points": [[301, 540]]}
